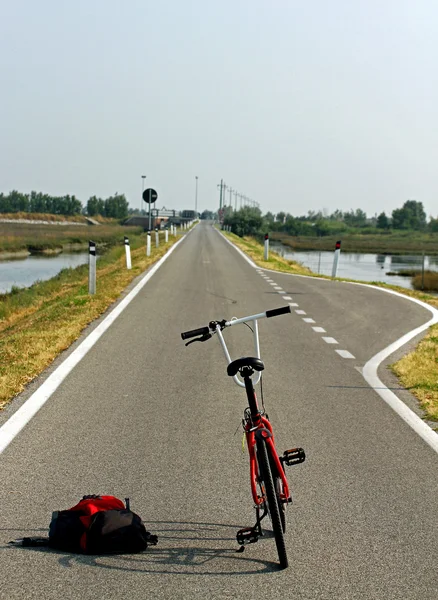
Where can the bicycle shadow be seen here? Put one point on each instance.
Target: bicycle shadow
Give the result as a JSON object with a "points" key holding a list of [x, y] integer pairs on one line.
{"points": [[184, 548]]}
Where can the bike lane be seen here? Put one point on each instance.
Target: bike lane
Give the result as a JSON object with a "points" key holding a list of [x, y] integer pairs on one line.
{"points": [[146, 417]]}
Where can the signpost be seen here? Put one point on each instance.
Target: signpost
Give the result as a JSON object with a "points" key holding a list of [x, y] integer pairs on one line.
{"points": [[150, 197], [336, 258]]}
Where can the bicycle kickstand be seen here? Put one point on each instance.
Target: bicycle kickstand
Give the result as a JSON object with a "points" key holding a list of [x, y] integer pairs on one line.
{"points": [[250, 535]]}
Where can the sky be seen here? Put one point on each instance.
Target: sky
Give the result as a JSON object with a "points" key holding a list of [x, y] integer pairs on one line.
{"points": [[297, 104]]}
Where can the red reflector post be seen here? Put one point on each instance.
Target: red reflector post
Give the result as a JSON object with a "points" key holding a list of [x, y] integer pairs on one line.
{"points": [[338, 245]]}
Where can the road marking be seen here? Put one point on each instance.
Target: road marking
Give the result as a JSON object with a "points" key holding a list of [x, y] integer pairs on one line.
{"points": [[344, 353], [277, 287], [24, 414], [272, 284], [301, 312], [370, 369], [288, 298], [319, 329], [293, 304], [308, 320], [329, 340]]}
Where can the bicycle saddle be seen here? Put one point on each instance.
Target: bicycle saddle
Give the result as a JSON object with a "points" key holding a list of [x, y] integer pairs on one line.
{"points": [[245, 361]]}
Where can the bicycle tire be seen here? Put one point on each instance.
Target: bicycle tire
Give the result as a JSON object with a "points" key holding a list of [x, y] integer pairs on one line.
{"points": [[281, 507], [271, 497], [278, 484]]}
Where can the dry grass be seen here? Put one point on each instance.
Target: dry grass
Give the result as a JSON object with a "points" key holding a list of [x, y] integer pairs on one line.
{"points": [[418, 372], [19, 236], [38, 323], [256, 251], [427, 282]]}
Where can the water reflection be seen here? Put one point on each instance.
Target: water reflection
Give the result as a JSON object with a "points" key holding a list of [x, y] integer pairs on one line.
{"points": [[25, 272], [362, 267]]}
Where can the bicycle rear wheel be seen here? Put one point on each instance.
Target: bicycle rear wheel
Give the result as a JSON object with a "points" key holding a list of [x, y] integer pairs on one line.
{"points": [[272, 501]]}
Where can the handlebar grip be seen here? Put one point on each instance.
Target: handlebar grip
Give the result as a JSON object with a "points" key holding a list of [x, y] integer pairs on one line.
{"points": [[278, 311], [201, 331]]}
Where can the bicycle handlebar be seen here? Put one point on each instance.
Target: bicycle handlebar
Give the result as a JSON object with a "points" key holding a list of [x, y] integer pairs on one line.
{"points": [[206, 330], [194, 332], [278, 311]]}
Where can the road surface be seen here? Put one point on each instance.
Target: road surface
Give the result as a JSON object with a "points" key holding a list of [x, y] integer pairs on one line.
{"points": [[143, 416]]}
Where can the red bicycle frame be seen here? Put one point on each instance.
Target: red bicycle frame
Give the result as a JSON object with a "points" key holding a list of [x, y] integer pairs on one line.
{"points": [[265, 427]]}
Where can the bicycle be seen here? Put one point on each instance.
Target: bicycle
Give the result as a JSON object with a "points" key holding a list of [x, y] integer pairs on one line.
{"points": [[269, 485]]}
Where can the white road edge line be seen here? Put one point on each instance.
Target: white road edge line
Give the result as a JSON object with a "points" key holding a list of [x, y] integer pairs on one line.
{"points": [[370, 369], [12, 427]]}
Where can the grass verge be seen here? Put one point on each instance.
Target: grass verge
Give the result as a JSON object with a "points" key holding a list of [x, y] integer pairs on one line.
{"points": [[417, 371], [39, 322]]}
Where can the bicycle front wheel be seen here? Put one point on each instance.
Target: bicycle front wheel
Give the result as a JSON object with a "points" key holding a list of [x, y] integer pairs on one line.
{"points": [[272, 501]]}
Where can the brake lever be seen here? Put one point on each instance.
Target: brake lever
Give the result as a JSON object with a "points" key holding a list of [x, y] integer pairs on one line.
{"points": [[203, 338]]}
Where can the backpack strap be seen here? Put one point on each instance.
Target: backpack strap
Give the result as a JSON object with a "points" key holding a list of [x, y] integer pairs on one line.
{"points": [[30, 542]]}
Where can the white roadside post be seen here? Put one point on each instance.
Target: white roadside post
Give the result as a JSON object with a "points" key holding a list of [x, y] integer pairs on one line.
{"points": [[91, 267], [128, 253], [266, 254], [336, 258], [157, 239], [166, 235], [148, 243]]}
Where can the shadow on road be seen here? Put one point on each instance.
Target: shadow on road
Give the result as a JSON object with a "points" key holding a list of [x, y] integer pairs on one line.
{"points": [[184, 548]]}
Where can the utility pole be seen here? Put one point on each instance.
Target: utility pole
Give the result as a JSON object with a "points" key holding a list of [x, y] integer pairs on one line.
{"points": [[231, 201], [143, 177], [220, 196], [196, 198]]}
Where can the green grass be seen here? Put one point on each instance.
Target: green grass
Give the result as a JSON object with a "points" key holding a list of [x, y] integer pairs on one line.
{"points": [[36, 238], [392, 242]]}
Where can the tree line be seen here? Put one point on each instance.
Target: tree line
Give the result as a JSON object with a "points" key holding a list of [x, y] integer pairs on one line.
{"points": [[115, 207], [250, 221]]}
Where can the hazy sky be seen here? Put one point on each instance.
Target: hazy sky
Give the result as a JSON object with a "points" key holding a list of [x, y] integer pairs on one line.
{"points": [[298, 104]]}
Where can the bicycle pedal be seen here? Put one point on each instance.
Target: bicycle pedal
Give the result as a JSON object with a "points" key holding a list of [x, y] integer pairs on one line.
{"points": [[294, 456], [248, 535]]}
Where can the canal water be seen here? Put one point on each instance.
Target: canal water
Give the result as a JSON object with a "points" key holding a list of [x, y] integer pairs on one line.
{"points": [[362, 267], [26, 271]]}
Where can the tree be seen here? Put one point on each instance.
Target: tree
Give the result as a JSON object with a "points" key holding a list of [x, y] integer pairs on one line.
{"points": [[410, 216], [382, 221], [246, 221]]}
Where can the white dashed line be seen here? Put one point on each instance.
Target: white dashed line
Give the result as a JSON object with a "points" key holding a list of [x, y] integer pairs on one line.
{"points": [[308, 320], [329, 340], [289, 298], [300, 312], [291, 303], [272, 284], [319, 329], [281, 292], [344, 353], [277, 287]]}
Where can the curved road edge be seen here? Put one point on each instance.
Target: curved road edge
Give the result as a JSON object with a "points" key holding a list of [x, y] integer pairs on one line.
{"points": [[369, 371]]}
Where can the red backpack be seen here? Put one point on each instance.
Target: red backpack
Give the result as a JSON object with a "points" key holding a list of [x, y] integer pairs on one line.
{"points": [[96, 525]]}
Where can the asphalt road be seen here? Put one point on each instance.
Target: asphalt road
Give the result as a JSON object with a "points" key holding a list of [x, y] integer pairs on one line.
{"points": [[145, 417]]}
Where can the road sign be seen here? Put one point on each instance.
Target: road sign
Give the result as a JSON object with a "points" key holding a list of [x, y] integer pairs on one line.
{"points": [[150, 195]]}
